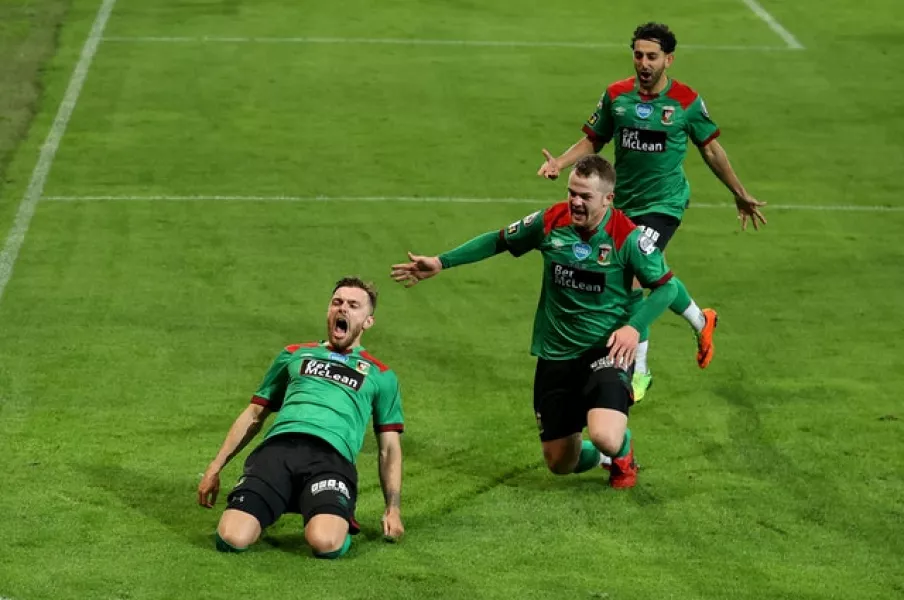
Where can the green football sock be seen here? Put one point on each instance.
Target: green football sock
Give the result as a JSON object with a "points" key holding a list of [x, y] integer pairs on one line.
{"points": [[626, 445], [636, 302], [337, 553], [682, 301], [589, 458], [224, 546]]}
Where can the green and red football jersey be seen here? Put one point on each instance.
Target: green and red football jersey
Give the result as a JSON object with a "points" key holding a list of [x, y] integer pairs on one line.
{"points": [[650, 135], [587, 277], [330, 395]]}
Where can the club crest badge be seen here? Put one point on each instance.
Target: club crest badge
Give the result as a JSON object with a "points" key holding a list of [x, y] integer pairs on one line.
{"points": [[668, 115], [602, 258]]}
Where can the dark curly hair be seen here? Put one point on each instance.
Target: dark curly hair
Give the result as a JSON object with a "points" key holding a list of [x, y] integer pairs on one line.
{"points": [[656, 32]]}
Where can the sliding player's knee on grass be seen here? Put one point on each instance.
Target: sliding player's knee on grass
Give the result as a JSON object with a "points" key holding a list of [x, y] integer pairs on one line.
{"points": [[562, 455], [327, 535], [237, 530]]}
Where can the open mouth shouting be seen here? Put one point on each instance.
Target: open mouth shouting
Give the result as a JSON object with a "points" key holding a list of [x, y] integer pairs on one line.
{"points": [[578, 214], [340, 328]]}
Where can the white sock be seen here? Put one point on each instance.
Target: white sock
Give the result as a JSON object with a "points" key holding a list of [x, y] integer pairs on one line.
{"points": [[694, 316], [605, 460], [640, 357]]}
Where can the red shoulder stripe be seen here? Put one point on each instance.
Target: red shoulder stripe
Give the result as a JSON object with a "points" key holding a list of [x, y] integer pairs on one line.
{"points": [[619, 227], [368, 356], [620, 87], [294, 347], [557, 215], [682, 93]]}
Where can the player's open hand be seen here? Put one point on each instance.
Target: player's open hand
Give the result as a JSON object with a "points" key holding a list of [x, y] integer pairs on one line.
{"points": [[392, 524], [623, 346], [209, 489], [420, 268], [550, 168], [749, 208]]}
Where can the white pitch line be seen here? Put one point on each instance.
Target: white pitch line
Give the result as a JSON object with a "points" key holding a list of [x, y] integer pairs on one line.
{"points": [[415, 42], [48, 151], [440, 200], [773, 24]]}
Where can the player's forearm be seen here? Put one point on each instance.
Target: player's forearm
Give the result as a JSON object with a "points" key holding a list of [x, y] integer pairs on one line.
{"points": [[717, 159], [481, 247], [391, 475], [243, 430], [654, 305], [580, 149]]}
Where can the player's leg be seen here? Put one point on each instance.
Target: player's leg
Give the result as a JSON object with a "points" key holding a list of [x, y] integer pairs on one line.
{"points": [[258, 499], [327, 535], [562, 455], [560, 418], [661, 228], [703, 321], [237, 530], [607, 396], [328, 496], [643, 378]]}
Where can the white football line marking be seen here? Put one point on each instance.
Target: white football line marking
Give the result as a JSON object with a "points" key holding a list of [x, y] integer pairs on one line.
{"points": [[443, 199], [48, 151], [773, 24], [416, 42]]}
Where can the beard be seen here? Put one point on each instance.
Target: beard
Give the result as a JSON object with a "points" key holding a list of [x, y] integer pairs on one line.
{"points": [[343, 333]]}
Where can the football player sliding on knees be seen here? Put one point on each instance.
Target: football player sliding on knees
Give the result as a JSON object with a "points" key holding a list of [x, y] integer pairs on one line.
{"points": [[323, 395], [585, 333]]}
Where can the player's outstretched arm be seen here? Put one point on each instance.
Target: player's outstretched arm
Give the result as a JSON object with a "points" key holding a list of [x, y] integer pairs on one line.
{"points": [[424, 267], [243, 430], [748, 207], [391, 483], [416, 269], [552, 165]]}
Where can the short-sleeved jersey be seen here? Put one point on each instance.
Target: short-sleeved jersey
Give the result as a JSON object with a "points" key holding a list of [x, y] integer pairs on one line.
{"points": [[587, 277], [650, 135], [330, 395]]}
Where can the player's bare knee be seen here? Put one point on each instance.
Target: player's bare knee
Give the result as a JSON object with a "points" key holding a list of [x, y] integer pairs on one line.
{"points": [[607, 441], [235, 537], [324, 538], [237, 529], [559, 464]]}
